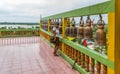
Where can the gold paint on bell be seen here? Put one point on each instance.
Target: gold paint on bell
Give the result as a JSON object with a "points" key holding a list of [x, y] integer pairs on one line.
{"points": [[101, 34], [81, 28], [73, 29], [88, 32]]}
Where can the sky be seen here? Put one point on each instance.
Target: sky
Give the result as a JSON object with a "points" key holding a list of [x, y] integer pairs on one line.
{"points": [[30, 10]]}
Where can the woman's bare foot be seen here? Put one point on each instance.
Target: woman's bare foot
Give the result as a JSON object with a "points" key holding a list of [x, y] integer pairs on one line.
{"points": [[55, 55]]}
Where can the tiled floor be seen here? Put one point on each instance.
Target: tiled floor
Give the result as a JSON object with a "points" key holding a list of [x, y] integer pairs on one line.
{"points": [[33, 58]]}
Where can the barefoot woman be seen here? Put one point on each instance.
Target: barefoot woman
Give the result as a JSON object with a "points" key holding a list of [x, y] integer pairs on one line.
{"points": [[56, 37]]}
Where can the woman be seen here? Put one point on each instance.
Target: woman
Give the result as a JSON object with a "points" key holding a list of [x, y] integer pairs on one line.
{"points": [[56, 37]]}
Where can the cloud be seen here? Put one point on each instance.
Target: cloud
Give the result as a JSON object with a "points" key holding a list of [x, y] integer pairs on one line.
{"points": [[30, 10]]}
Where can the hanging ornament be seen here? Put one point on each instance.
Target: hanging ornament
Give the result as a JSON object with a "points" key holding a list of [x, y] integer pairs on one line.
{"points": [[73, 21], [101, 34], [88, 32], [73, 29], [81, 28]]}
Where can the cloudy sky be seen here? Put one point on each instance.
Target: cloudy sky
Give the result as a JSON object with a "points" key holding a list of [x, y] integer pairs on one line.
{"points": [[30, 10]]}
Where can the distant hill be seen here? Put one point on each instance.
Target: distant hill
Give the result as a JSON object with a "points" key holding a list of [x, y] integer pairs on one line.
{"points": [[12, 23]]}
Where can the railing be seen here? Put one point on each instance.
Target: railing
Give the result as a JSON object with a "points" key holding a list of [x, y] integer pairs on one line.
{"points": [[19, 32], [45, 35], [19, 40], [87, 60]]}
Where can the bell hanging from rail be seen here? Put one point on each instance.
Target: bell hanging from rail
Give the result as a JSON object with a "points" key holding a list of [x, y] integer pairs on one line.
{"points": [[100, 34], [68, 22], [73, 29], [81, 28], [52, 24], [88, 32], [73, 21], [67, 31], [57, 20], [60, 26]]}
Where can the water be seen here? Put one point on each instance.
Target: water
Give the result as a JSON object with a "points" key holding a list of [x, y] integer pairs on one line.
{"points": [[17, 25]]}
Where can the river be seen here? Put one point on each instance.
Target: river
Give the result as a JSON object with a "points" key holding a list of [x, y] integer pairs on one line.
{"points": [[16, 26]]}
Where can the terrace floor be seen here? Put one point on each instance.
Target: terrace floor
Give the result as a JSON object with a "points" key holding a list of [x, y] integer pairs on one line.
{"points": [[30, 55]]}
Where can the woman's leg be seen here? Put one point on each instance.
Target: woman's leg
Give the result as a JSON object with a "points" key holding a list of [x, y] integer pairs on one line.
{"points": [[56, 46], [55, 50]]}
